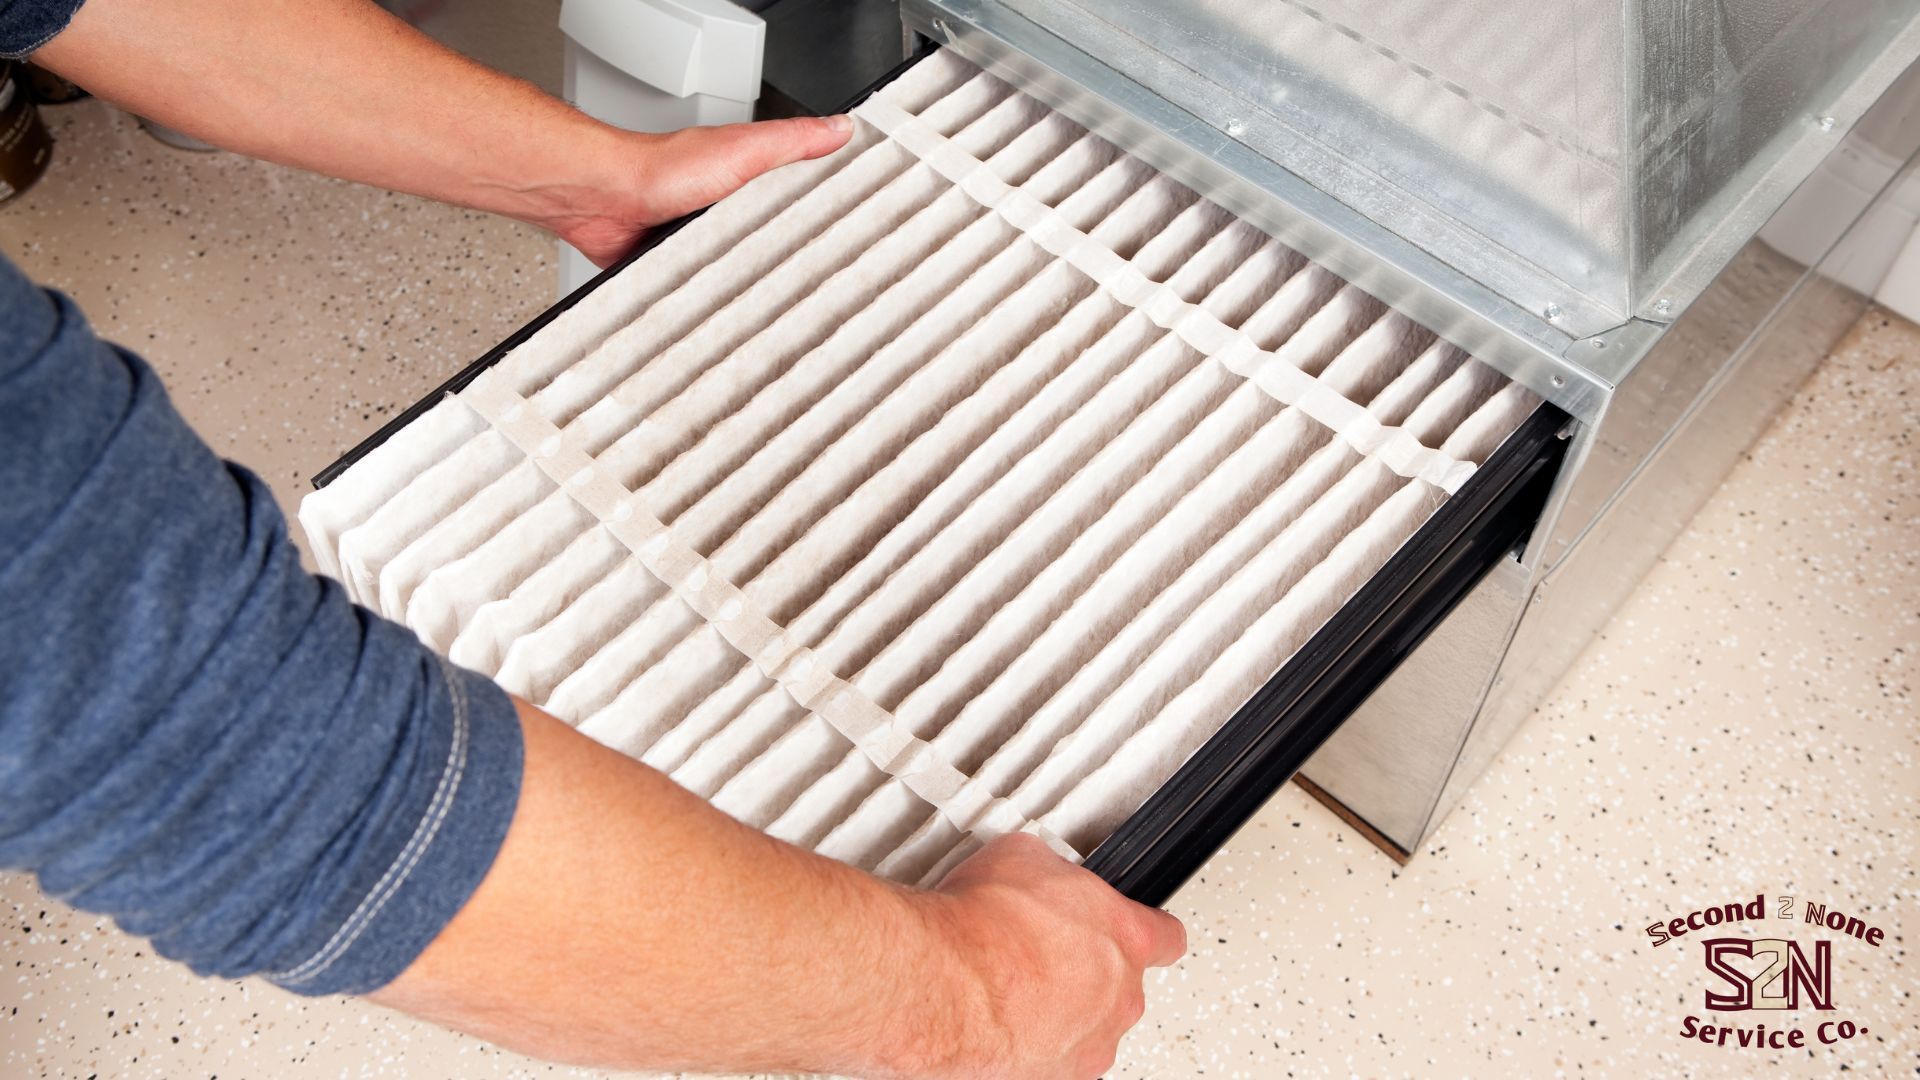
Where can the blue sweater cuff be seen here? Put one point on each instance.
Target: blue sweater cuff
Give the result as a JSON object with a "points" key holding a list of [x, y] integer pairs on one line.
{"points": [[25, 25], [387, 917], [197, 736]]}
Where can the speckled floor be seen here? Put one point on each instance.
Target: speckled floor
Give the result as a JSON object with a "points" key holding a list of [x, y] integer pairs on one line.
{"points": [[1746, 724]]}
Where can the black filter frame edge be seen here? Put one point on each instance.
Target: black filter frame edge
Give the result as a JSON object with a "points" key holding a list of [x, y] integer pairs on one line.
{"points": [[1270, 737]]}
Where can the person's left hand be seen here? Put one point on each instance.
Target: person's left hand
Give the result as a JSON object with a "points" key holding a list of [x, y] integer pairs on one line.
{"points": [[657, 178]]}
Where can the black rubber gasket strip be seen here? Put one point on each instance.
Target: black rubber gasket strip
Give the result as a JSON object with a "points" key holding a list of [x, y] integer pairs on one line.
{"points": [[1266, 741], [465, 376]]}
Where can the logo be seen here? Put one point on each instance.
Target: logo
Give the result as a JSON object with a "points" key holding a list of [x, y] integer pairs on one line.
{"points": [[1789, 981], [1780, 984]]}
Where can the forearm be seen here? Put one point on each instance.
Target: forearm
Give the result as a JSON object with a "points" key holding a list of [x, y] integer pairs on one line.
{"points": [[627, 923], [197, 737], [341, 87]]}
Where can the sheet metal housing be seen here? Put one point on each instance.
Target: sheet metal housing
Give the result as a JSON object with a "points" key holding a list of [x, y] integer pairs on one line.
{"points": [[1589, 155]]}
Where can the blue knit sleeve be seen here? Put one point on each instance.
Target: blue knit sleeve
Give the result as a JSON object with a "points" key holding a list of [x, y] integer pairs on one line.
{"points": [[25, 25], [197, 737]]}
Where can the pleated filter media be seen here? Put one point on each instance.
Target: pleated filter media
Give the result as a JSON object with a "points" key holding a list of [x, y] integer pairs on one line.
{"points": [[963, 482]]}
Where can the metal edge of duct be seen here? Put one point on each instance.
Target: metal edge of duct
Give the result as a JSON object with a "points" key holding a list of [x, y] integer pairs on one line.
{"points": [[1754, 367], [1612, 175], [1706, 389], [1662, 409]]}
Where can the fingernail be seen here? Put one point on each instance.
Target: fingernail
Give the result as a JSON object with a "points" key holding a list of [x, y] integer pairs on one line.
{"points": [[841, 123]]}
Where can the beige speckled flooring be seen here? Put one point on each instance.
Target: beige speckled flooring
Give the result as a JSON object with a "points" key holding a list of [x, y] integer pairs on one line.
{"points": [[1747, 723]]}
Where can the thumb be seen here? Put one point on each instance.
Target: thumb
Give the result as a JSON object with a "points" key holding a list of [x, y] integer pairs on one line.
{"points": [[769, 144], [1163, 938]]}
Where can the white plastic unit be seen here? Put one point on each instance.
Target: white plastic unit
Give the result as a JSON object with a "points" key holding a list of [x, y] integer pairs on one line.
{"points": [[1900, 290], [658, 65]]}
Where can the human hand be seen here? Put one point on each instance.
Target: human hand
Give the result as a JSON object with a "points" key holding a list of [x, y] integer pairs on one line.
{"points": [[651, 179], [1055, 959], [342, 87]]}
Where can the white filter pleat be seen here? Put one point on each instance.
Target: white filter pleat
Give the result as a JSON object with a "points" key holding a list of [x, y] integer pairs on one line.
{"points": [[1066, 461], [1137, 672], [425, 501], [479, 460], [1082, 360], [719, 248], [1150, 755], [919, 403], [566, 395], [1127, 589], [782, 441], [1013, 624], [854, 393], [963, 481], [554, 584]]}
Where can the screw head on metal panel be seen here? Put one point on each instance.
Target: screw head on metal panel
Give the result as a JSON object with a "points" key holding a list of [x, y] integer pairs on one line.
{"points": [[1663, 306], [1825, 123], [1553, 312], [940, 27], [1236, 127], [1559, 381], [1598, 343]]}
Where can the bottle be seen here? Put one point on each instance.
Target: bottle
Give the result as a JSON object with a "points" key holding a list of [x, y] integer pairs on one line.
{"points": [[25, 145], [46, 88]]}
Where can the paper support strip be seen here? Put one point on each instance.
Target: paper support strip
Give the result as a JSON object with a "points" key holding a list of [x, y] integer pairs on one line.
{"points": [[967, 803], [1393, 447]]}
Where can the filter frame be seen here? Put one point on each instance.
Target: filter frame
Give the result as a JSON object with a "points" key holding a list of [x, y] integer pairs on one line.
{"points": [[1266, 741], [1162, 843]]}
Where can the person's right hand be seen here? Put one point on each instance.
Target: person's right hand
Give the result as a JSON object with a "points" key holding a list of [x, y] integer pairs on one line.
{"points": [[1056, 958], [649, 179]]}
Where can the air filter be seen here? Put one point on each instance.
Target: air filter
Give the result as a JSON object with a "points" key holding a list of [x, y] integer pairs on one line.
{"points": [[962, 482]]}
